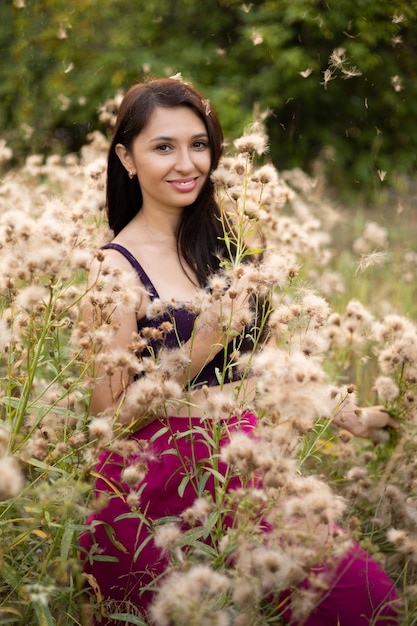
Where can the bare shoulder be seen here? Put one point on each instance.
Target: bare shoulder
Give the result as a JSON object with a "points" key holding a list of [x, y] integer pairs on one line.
{"points": [[110, 263], [113, 280], [108, 259]]}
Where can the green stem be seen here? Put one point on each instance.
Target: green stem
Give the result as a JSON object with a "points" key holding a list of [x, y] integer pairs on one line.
{"points": [[31, 372]]}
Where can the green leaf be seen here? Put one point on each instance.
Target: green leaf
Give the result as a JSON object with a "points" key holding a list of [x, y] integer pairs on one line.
{"points": [[220, 477], [207, 435], [183, 484], [168, 519], [111, 534], [159, 433], [66, 541], [130, 619], [43, 614], [203, 482], [140, 548]]}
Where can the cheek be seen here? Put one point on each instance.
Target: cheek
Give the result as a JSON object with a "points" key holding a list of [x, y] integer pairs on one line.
{"points": [[146, 169], [205, 163]]}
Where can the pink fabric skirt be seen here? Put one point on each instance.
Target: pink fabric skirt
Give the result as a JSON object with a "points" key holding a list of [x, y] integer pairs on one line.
{"points": [[118, 548]]}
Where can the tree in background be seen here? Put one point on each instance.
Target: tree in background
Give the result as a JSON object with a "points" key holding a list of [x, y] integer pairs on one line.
{"points": [[338, 78]]}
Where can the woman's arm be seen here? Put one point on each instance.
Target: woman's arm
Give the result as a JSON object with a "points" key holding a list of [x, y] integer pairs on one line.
{"points": [[116, 324], [366, 422]]}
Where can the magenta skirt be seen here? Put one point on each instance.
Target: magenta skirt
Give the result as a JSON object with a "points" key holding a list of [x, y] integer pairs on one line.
{"points": [[119, 553]]}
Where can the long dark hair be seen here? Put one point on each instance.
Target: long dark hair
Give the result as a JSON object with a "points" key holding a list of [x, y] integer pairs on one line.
{"points": [[200, 230]]}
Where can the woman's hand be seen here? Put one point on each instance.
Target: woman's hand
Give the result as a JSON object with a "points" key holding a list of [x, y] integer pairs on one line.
{"points": [[367, 422], [215, 327]]}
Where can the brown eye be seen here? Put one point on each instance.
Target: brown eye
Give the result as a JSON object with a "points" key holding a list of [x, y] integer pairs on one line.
{"points": [[164, 147]]}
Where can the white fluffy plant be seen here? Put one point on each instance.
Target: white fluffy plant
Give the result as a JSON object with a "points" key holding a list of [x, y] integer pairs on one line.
{"points": [[50, 226]]}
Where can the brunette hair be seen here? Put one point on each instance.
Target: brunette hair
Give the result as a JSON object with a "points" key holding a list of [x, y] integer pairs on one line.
{"points": [[200, 231]]}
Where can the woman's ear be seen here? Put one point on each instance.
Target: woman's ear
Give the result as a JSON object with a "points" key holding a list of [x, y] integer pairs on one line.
{"points": [[125, 158]]}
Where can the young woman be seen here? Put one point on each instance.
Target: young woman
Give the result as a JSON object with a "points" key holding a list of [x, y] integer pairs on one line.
{"points": [[162, 209]]}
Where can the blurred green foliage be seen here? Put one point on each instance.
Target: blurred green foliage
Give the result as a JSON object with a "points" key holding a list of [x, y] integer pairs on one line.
{"points": [[339, 78]]}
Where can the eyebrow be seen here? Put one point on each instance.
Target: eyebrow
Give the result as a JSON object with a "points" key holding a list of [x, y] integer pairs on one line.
{"points": [[166, 138]]}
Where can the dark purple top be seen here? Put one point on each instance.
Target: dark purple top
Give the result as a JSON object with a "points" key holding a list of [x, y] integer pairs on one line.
{"points": [[183, 324]]}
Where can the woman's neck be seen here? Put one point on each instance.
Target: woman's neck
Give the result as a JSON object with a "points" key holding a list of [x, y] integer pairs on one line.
{"points": [[162, 228]]}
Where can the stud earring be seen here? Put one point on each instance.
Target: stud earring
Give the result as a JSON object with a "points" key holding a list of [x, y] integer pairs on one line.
{"points": [[130, 174]]}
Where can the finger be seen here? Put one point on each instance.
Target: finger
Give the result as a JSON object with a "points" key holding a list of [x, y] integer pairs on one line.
{"points": [[373, 418], [391, 422], [379, 416]]}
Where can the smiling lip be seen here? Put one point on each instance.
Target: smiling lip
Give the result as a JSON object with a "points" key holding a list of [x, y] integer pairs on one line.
{"points": [[184, 184]]}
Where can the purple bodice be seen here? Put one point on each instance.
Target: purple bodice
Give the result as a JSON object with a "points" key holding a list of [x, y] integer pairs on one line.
{"points": [[183, 324]]}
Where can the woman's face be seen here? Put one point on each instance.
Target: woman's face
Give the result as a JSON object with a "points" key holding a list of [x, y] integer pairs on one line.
{"points": [[171, 158]]}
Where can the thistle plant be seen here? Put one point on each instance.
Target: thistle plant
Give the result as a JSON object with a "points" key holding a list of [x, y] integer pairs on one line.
{"points": [[295, 478], [47, 242]]}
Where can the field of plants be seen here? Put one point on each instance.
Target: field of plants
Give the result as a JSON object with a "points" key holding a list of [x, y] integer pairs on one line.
{"points": [[342, 321]]}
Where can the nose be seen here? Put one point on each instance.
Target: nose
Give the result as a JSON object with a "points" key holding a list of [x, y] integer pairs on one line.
{"points": [[184, 162]]}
